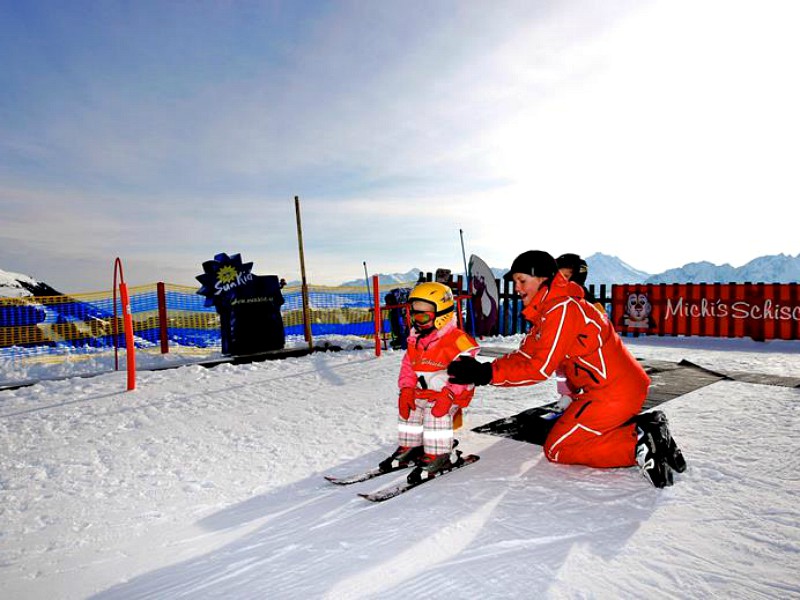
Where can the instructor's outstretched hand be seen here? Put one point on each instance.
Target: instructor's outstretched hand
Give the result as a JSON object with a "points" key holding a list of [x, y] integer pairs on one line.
{"points": [[466, 370]]}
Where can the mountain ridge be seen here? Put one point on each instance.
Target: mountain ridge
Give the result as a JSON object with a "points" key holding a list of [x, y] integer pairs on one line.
{"points": [[604, 269], [16, 285]]}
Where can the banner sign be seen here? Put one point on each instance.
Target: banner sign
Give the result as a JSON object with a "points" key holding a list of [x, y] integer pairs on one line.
{"points": [[761, 311], [249, 305], [224, 279]]}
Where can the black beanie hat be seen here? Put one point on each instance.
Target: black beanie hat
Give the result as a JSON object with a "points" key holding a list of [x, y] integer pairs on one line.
{"points": [[536, 263], [580, 269]]}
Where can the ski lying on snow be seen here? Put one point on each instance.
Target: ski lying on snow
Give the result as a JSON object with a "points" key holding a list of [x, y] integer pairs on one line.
{"points": [[402, 488], [358, 477]]}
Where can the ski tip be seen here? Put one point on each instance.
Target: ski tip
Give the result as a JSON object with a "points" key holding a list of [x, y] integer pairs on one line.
{"points": [[374, 497], [339, 480]]}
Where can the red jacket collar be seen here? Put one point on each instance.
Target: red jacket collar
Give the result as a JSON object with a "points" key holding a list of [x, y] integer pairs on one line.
{"points": [[548, 295]]}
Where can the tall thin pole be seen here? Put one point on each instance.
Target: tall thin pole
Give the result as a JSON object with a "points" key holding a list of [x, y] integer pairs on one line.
{"points": [[469, 285], [127, 321], [304, 285], [366, 281], [377, 309]]}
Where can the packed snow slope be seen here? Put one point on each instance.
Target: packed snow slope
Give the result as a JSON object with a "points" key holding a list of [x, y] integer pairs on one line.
{"points": [[207, 483]]}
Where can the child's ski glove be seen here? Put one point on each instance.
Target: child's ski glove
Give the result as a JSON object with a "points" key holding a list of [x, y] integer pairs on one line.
{"points": [[406, 402], [465, 370], [442, 403]]}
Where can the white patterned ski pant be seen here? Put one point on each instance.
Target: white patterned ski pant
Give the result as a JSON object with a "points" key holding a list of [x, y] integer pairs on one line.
{"points": [[422, 428]]}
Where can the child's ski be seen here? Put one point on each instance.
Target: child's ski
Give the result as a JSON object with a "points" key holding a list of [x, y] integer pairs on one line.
{"points": [[376, 472], [358, 477], [396, 490]]}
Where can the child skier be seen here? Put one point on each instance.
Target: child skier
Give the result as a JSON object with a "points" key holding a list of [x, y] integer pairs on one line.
{"points": [[428, 401]]}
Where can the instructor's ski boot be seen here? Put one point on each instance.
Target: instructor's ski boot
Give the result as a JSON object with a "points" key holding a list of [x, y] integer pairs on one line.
{"points": [[654, 467], [431, 464], [404, 456], [656, 424]]}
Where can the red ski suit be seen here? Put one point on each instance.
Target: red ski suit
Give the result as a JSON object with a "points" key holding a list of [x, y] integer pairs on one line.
{"points": [[610, 387], [424, 371]]}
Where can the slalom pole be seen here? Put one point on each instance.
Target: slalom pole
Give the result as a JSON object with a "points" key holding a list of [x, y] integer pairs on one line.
{"points": [[469, 286], [127, 321], [115, 326], [130, 349]]}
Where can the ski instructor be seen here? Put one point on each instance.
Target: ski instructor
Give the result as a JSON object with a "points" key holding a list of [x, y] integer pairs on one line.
{"points": [[599, 428]]}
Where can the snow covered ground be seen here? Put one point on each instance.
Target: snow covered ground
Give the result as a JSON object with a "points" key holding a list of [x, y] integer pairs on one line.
{"points": [[207, 483]]}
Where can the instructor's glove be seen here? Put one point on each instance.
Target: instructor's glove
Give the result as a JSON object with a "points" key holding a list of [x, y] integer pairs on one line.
{"points": [[466, 370], [406, 402], [442, 403]]}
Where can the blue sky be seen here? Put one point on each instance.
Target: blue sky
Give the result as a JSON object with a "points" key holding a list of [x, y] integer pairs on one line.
{"points": [[659, 131]]}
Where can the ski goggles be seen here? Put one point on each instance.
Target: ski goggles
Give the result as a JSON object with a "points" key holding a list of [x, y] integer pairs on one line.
{"points": [[422, 317]]}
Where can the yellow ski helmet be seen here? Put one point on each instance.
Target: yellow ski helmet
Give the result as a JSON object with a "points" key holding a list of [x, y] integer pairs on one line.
{"points": [[440, 296]]}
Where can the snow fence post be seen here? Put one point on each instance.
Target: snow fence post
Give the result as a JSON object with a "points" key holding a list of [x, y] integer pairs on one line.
{"points": [[163, 333]]}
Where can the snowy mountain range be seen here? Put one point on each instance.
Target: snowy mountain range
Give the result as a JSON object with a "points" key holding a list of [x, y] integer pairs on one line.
{"points": [[779, 268], [608, 270], [603, 269], [16, 285], [400, 279]]}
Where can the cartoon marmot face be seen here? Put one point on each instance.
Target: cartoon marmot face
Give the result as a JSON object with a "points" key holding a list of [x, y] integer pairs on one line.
{"points": [[638, 310]]}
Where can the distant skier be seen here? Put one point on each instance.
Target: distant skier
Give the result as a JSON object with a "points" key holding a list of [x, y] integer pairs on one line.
{"points": [[428, 401], [600, 428]]}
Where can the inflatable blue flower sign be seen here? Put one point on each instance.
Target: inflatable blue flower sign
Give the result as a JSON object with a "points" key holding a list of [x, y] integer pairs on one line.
{"points": [[224, 279]]}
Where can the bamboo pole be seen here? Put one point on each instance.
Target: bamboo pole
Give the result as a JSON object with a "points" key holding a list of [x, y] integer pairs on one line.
{"points": [[304, 285]]}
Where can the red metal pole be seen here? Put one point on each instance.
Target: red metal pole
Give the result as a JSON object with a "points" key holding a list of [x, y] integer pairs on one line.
{"points": [[377, 306], [128, 323], [117, 267]]}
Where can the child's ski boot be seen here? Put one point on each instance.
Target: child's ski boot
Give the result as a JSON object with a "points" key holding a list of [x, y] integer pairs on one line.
{"points": [[404, 456], [431, 464]]}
